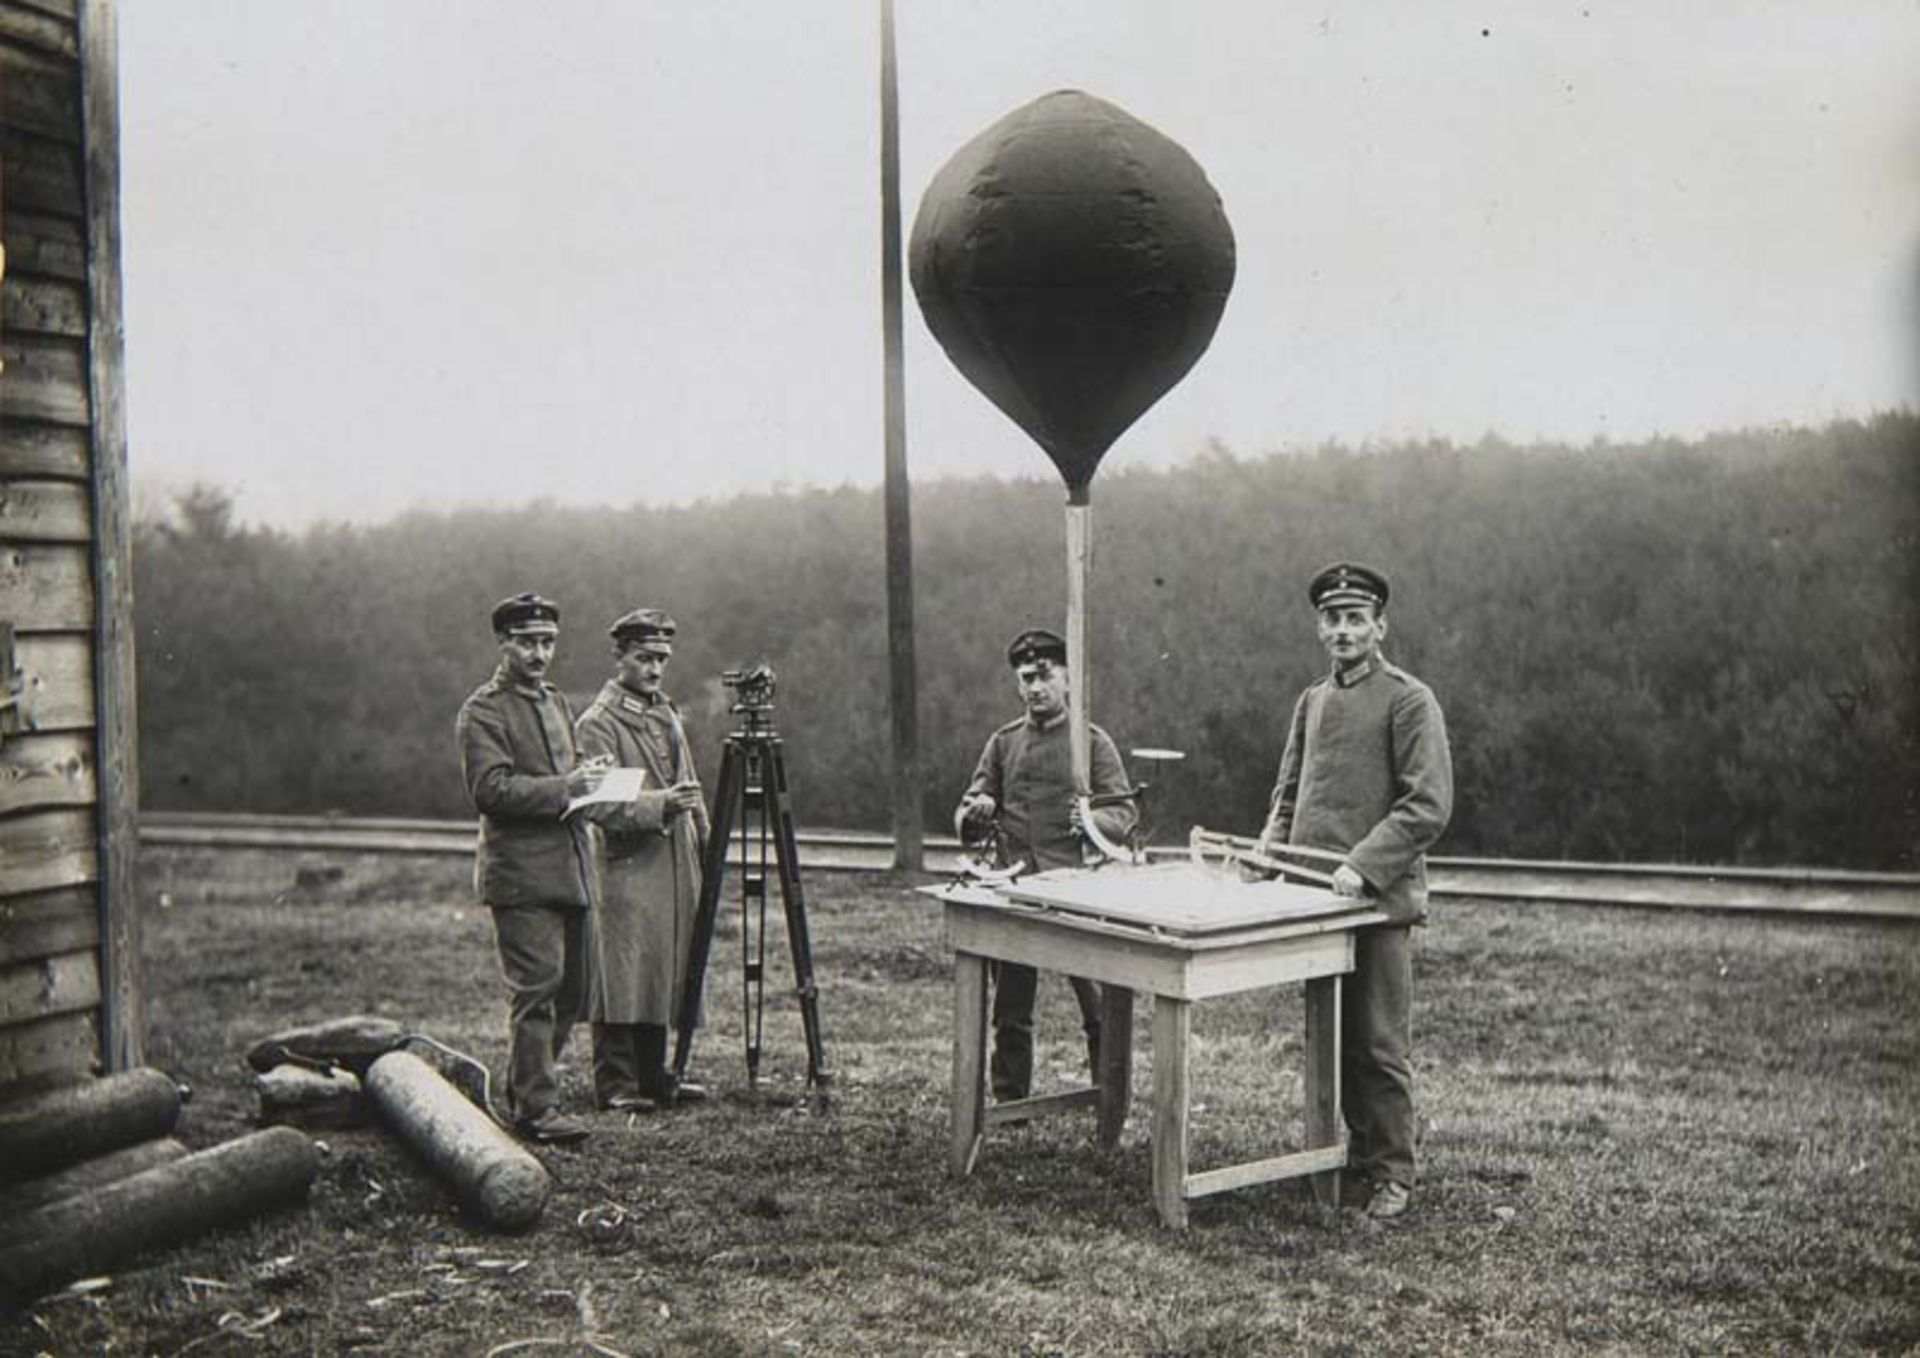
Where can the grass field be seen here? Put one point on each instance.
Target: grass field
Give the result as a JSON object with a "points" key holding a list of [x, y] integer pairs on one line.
{"points": [[1647, 1133]]}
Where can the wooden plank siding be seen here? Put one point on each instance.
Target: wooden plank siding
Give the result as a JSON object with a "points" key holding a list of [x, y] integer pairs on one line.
{"points": [[43, 850], [35, 306], [40, 32], [68, 10], [58, 674], [61, 984], [38, 93], [46, 587], [45, 379], [45, 511], [49, 1050], [41, 771], [41, 175], [39, 246], [44, 923], [69, 995], [31, 448]]}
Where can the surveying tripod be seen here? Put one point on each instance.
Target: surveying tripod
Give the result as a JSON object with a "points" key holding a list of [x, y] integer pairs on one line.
{"points": [[751, 796]]}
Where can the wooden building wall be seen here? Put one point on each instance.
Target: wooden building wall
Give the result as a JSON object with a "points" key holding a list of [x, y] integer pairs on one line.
{"points": [[69, 995]]}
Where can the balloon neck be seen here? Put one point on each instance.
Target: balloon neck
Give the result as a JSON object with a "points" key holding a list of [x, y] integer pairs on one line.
{"points": [[1080, 494]]}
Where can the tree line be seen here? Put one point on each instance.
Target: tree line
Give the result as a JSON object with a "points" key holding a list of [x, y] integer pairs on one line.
{"points": [[1699, 651]]}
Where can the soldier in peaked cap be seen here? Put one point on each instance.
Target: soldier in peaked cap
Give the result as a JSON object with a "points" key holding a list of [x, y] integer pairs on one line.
{"points": [[1348, 582], [534, 868], [1022, 795], [1367, 774], [654, 846]]}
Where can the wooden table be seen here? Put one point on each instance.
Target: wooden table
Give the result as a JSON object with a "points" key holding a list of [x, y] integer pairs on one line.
{"points": [[1179, 934]]}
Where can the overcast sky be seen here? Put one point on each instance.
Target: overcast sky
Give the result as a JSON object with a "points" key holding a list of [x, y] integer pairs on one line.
{"points": [[384, 254]]}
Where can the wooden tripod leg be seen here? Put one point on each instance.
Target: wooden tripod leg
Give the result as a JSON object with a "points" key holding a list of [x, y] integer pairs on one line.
{"points": [[726, 797], [794, 902]]}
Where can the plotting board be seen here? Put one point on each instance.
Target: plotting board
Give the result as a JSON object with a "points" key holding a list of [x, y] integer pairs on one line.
{"points": [[1176, 897]]}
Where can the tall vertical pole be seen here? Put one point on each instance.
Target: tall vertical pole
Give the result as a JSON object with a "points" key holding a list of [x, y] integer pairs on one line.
{"points": [[903, 686], [1079, 555]]}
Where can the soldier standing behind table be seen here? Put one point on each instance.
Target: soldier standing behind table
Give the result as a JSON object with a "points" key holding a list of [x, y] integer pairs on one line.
{"points": [[534, 868], [1023, 789], [1367, 773], [654, 847]]}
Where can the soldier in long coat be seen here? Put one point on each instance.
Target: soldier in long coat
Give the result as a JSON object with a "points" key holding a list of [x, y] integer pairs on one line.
{"points": [[1366, 773], [535, 866], [653, 849]]}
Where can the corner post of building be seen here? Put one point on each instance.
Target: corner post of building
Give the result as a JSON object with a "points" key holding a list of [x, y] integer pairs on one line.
{"points": [[121, 1022]]}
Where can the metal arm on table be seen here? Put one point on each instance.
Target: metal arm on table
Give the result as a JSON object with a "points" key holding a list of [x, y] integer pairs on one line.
{"points": [[1238, 849], [1090, 827], [979, 866]]}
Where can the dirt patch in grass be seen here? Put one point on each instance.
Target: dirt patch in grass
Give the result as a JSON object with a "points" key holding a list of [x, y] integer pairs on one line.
{"points": [[1643, 1133]]}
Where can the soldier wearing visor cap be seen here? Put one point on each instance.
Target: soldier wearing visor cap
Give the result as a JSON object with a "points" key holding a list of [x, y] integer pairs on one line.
{"points": [[535, 868], [1366, 773], [1022, 796], [653, 846]]}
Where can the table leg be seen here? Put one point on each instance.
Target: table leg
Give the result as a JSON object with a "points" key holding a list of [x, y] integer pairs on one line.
{"points": [[969, 1059], [1172, 1027], [1115, 1076], [1323, 1080]]}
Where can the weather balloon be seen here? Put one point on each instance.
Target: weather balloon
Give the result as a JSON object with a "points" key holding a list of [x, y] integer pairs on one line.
{"points": [[1074, 263]]}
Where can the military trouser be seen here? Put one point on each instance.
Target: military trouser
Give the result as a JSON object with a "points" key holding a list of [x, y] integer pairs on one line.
{"points": [[1014, 985], [1376, 1040], [543, 957], [629, 1060]]}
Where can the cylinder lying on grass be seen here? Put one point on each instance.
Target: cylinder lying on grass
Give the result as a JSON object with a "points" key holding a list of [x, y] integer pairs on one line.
{"points": [[77, 1122], [310, 1098], [87, 1175], [355, 1042], [495, 1177], [95, 1231]]}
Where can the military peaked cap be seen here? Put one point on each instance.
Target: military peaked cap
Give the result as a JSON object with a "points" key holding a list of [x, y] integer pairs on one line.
{"points": [[651, 627], [1034, 645], [1347, 582], [526, 615]]}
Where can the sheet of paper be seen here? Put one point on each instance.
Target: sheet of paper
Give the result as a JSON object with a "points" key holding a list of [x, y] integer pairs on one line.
{"points": [[620, 785]]}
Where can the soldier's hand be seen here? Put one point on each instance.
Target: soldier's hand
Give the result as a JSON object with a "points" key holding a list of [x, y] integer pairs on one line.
{"points": [[1347, 882], [585, 778], [683, 797], [976, 813]]}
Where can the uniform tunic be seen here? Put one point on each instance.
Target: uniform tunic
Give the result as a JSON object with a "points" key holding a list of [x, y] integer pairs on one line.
{"points": [[535, 871], [1367, 773], [652, 858], [516, 749], [1027, 768]]}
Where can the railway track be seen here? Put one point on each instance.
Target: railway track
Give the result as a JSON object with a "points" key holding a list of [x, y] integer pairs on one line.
{"points": [[1791, 891]]}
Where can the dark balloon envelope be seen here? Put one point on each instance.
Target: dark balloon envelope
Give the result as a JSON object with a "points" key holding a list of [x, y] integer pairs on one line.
{"points": [[1073, 262]]}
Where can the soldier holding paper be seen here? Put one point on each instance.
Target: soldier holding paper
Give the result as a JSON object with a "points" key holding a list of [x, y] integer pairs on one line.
{"points": [[535, 867], [654, 845]]}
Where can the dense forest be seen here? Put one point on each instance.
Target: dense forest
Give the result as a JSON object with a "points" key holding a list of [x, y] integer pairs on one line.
{"points": [[1679, 652]]}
